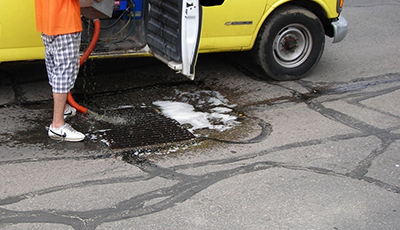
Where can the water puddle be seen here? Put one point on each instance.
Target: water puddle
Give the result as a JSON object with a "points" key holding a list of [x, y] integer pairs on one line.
{"points": [[143, 121]]}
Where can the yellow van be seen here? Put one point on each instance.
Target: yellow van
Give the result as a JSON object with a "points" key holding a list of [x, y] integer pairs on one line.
{"points": [[286, 37]]}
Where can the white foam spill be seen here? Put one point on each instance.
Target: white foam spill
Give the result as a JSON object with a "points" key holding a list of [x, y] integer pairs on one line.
{"points": [[216, 117]]}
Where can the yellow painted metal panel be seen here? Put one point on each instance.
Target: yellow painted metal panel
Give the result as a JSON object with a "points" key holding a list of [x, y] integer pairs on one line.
{"points": [[18, 31], [330, 6], [234, 18], [21, 54], [224, 44]]}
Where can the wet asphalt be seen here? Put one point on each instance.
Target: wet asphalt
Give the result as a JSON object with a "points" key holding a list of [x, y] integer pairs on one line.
{"points": [[317, 153]]}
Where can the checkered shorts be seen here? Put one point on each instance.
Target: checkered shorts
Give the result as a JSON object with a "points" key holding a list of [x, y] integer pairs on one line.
{"points": [[62, 60]]}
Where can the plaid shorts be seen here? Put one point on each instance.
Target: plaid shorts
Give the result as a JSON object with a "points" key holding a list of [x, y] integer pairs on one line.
{"points": [[62, 60]]}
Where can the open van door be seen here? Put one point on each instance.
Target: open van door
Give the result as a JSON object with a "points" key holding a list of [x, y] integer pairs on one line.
{"points": [[173, 30]]}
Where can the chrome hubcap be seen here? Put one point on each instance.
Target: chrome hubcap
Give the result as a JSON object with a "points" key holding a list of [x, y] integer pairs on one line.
{"points": [[292, 46]]}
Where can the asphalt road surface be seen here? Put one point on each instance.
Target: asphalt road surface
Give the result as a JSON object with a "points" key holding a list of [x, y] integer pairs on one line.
{"points": [[318, 153]]}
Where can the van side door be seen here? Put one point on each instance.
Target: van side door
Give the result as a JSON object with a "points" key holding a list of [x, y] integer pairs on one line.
{"points": [[173, 30]]}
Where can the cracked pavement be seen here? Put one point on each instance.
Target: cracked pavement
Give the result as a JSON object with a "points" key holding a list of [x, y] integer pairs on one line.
{"points": [[318, 153]]}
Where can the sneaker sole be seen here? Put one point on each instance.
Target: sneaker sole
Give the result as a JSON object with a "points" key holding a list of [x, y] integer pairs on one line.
{"points": [[58, 138]]}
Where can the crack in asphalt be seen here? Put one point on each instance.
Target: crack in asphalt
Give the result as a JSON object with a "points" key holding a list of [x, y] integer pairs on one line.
{"points": [[187, 186]]}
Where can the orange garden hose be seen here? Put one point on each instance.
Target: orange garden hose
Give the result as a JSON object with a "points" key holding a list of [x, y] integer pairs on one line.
{"points": [[82, 60]]}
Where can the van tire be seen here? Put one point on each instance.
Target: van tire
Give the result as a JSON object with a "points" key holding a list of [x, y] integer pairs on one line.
{"points": [[289, 44]]}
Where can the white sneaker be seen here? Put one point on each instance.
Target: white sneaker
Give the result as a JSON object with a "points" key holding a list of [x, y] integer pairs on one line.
{"points": [[69, 112], [65, 133]]}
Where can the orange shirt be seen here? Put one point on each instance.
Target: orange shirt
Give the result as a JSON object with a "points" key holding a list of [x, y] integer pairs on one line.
{"points": [[55, 17]]}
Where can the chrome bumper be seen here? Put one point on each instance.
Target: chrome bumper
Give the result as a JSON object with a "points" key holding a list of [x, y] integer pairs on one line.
{"points": [[340, 28]]}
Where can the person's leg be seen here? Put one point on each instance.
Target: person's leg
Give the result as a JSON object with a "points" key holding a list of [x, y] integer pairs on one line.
{"points": [[52, 65], [62, 76], [60, 101], [65, 72]]}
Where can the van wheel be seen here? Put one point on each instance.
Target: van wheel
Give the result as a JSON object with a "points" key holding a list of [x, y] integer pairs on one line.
{"points": [[289, 44]]}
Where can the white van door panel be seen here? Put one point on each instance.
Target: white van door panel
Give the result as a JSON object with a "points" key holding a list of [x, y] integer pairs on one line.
{"points": [[173, 30]]}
